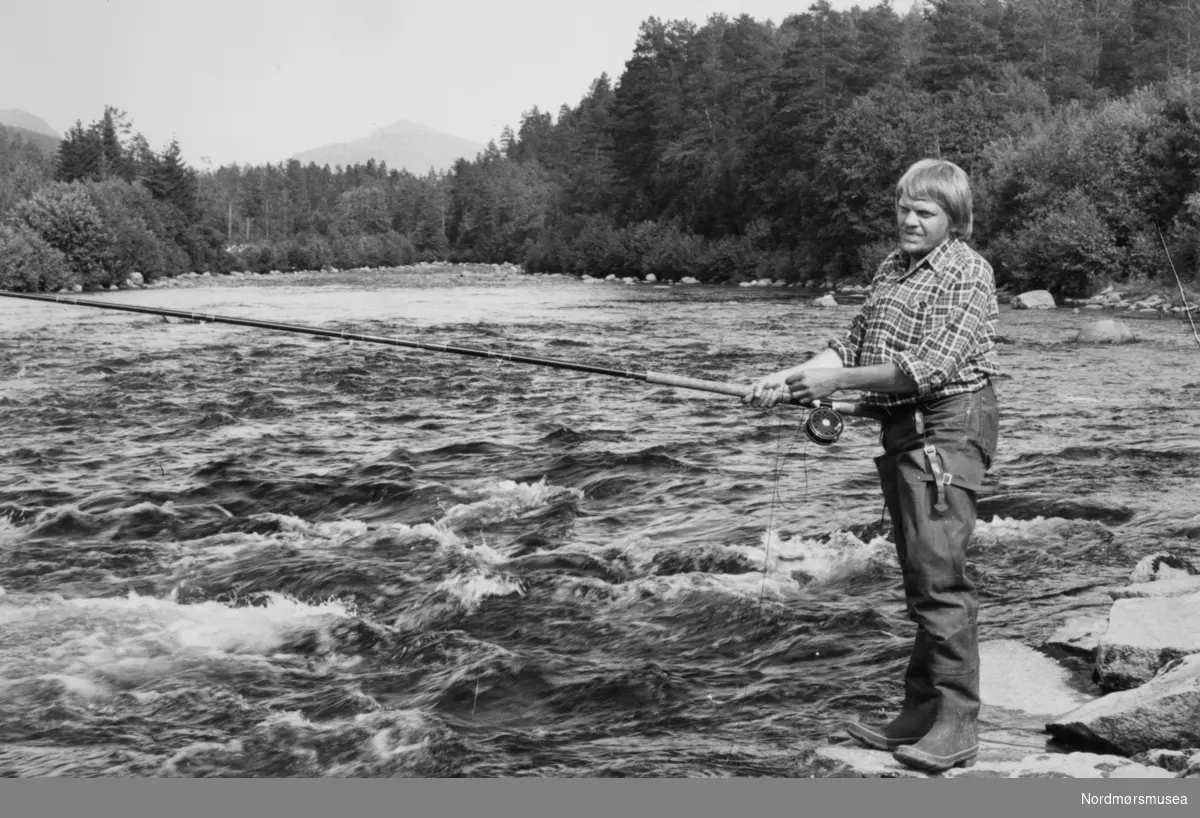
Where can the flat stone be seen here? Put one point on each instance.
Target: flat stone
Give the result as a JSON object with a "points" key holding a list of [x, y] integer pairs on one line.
{"points": [[1161, 714], [995, 760], [1143, 636], [1079, 636], [1084, 765], [1176, 586], [1015, 677]]}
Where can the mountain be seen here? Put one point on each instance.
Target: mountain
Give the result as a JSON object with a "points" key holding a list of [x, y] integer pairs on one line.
{"points": [[403, 145], [23, 119]]}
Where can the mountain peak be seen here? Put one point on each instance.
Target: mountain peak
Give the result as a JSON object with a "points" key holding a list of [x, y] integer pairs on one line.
{"points": [[18, 118], [403, 144]]}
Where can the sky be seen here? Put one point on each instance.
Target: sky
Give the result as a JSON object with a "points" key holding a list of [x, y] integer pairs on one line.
{"points": [[254, 81]]}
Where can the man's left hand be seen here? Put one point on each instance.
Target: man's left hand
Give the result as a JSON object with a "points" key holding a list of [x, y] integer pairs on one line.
{"points": [[811, 385]]}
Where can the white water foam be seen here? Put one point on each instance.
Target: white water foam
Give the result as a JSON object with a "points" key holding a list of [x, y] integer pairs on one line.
{"points": [[502, 501], [90, 645]]}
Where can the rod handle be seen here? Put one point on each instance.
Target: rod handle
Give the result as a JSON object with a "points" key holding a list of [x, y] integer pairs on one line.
{"points": [[848, 408]]}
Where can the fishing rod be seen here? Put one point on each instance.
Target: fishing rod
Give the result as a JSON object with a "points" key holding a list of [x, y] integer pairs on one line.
{"points": [[1187, 309], [823, 425]]}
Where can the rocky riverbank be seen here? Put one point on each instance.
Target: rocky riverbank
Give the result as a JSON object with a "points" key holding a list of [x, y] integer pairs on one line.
{"points": [[1136, 717]]}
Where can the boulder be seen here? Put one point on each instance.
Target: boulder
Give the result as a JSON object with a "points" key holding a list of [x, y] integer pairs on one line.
{"points": [[1105, 331], [1033, 300], [1160, 714], [1143, 636], [688, 280], [1179, 586], [1177, 761], [825, 301], [1160, 566], [1079, 636], [136, 278], [651, 277]]}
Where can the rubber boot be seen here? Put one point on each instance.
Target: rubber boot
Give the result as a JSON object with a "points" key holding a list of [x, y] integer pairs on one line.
{"points": [[953, 740], [917, 713]]}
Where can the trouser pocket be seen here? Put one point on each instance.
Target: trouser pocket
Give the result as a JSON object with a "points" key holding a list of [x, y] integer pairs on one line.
{"points": [[938, 591]]}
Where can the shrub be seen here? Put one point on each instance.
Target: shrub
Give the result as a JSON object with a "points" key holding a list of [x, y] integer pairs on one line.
{"points": [[65, 218], [29, 264], [1063, 249]]}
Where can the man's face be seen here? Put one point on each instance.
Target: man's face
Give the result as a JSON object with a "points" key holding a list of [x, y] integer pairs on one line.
{"points": [[923, 225]]}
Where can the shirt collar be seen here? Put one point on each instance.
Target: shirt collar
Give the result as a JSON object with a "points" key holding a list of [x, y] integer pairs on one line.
{"points": [[935, 258]]}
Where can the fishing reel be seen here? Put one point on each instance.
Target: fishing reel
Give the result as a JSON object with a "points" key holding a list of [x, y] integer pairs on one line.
{"points": [[823, 425]]}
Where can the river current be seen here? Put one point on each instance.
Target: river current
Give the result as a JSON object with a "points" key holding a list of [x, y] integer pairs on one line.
{"points": [[232, 552]]}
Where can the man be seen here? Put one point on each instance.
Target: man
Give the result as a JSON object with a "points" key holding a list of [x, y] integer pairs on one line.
{"points": [[922, 349]]}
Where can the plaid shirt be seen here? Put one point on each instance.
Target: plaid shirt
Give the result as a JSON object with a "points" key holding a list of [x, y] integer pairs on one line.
{"points": [[938, 323]]}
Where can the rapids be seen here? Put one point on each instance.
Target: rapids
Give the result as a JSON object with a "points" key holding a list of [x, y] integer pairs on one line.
{"points": [[232, 552]]}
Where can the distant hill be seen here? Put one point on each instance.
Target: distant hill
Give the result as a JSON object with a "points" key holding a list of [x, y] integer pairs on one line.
{"points": [[403, 145], [47, 144], [23, 119]]}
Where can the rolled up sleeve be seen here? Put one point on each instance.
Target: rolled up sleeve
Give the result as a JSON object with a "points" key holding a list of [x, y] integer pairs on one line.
{"points": [[849, 345]]}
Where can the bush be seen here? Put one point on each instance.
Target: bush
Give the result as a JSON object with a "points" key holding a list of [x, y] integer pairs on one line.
{"points": [[1063, 249], [131, 219], [65, 218], [29, 264], [398, 251]]}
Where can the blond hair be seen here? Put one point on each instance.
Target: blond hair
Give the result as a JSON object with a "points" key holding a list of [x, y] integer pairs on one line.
{"points": [[937, 180]]}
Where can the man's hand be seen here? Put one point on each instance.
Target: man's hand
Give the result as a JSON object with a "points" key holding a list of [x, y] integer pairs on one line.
{"points": [[811, 385]]}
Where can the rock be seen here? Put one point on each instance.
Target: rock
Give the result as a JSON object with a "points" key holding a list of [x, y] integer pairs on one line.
{"points": [[1160, 566], [651, 277], [1105, 331], [1178, 586], [611, 277], [1160, 714], [994, 761], [825, 301], [1033, 300], [1028, 505], [1143, 636], [1079, 636], [1094, 307], [1016, 678], [688, 280], [1176, 761], [1084, 765], [137, 278]]}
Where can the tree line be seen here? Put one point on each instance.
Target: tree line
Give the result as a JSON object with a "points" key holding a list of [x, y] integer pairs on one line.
{"points": [[730, 150]]}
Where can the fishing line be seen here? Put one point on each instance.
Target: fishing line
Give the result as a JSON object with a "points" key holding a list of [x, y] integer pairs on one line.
{"points": [[777, 473]]}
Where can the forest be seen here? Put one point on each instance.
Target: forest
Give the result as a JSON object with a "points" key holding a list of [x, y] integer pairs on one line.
{"points": [[727, 151]]}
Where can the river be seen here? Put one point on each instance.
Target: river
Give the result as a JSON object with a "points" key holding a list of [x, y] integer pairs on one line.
{"points": [[235, 552]]}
